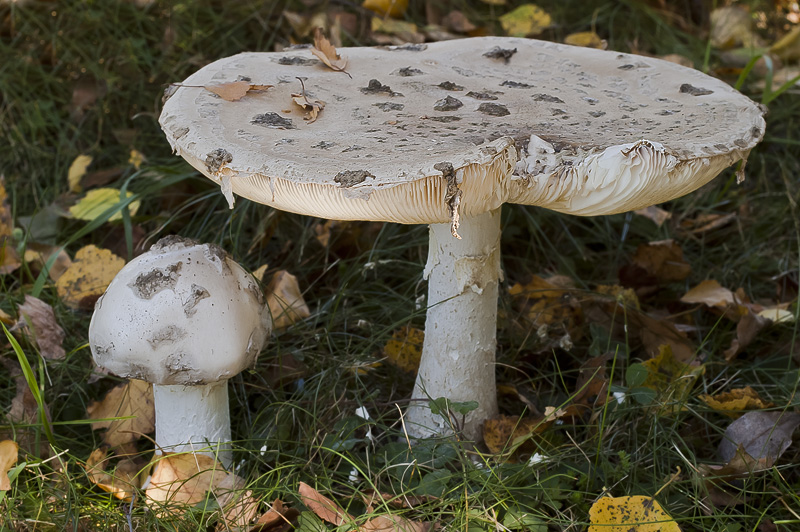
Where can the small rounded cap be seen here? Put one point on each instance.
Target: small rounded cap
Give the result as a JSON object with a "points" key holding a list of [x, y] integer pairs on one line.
{"points": [[182, 313]]}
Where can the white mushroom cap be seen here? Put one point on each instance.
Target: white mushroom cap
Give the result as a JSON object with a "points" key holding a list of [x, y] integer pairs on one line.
{"points": [[577, 130], [182, 313]]}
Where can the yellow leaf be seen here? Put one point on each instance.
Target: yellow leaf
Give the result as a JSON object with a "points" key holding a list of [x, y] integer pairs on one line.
{"points": [[77, 170], [404, 350], [671, 378], [235, 90], [286, 303], [495, 2], [405, 30], [326, 52], [182, 480], [734, 402], [636, 513], [99, 200], [8, 457], [788, 47], [505, 433], [88, 276], [133, 399], [136, 158], [777, 315], [588, 39], [122, 482], [527, 19], [6, 220], [392, 8]]}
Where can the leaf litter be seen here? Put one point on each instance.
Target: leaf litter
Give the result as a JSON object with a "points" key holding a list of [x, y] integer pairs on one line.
{"points": [[326, 52]]}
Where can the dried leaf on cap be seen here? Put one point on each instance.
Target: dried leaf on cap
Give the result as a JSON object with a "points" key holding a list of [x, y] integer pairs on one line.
{"points": [[326, 52], [235, 90], [313, 106], [47, 333]]}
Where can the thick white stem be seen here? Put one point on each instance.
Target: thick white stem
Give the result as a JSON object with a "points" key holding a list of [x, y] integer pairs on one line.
{"points": [[460, 327], [193, 418]]}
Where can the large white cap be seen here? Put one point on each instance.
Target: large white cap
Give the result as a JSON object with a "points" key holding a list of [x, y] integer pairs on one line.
{"points": [[422, 133], [182, 313]]}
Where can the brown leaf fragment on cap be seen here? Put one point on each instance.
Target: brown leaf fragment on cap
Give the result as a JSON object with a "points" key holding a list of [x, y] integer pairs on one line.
{"points": [[235, 90], [500, 53], [326, 52], [686, 88]]}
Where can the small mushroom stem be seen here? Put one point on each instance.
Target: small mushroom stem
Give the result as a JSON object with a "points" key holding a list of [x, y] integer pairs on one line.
{"points": [[193, 418], [460, 327]]}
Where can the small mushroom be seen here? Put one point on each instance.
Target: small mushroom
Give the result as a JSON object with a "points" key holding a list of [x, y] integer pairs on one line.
{"points": [[633, 138], [185, 317]]}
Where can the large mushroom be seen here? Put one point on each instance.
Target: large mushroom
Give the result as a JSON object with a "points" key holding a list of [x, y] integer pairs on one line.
{"points": [[185, 317], [444, 134]]}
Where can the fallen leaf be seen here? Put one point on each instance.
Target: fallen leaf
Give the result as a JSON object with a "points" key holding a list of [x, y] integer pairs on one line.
{"points": [[38, 255], [234, 90], [588, 39], [671, 379], [24, 411], [122, 482], [278, 518], [286, 303], [99, 200], [384, 8], [457, 21], [88, 276], [635, 513], [404, 350], [507, 434], [655, 263], [136, 158], [326, 52], [323, 507], [706, 222], [393, 523], [711, 294], [239, 506], [777, 315], [527, 19], [741, 465], [47, 333], [6, 220], [735, 401], [788, 47], [732, 26], [77, 170], [9, 258], [133, 400], [760, 434], [9, 451], [746, 331], [549, 305], [181, 480], [405, 31], [314, 107]]}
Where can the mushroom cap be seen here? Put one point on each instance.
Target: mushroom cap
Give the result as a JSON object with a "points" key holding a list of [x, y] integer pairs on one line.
{"points": [[577, 130], [182, 313]]}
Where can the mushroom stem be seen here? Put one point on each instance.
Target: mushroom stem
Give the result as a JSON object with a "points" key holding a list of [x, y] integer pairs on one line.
{"points": [[193, 418], [460, 327]]}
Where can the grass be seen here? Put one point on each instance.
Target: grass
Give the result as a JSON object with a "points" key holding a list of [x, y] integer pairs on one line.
{"points": [[116, 58]]}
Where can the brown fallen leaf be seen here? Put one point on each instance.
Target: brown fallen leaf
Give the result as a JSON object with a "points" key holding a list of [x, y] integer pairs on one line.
{"points": [[24, 411], [404, 350], [9, 258], [760, 434], [655, 263], [457, 21], [507, 434], [671, 379], [122, 482], [279, 518], [734, 402], [326, 52], [182, 480], [9, 451], [746, 331], [38, 319], [285, 300], [235, 90], [87, 278], [706, 222], [314, 107], [323, 507], [393, 523], [37, 256], [133, 400], [711, 294], [239, 506], [654, 213]]}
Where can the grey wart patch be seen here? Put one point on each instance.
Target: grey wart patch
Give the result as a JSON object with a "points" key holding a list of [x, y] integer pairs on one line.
{"points": [[389, 106], [694, 91], [444, 119], [408, 48], [376, 87], [197, 294], [516, 84], [169, 334], [216, 255], [450, 86], [146, 285], [493, 109], [273, 120], [503, 54], [173, 242], [180, 132], [487, 95], [297, 61], [409, 71], [547, 98], [447, 103], [351, 178], [217, 159]]}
